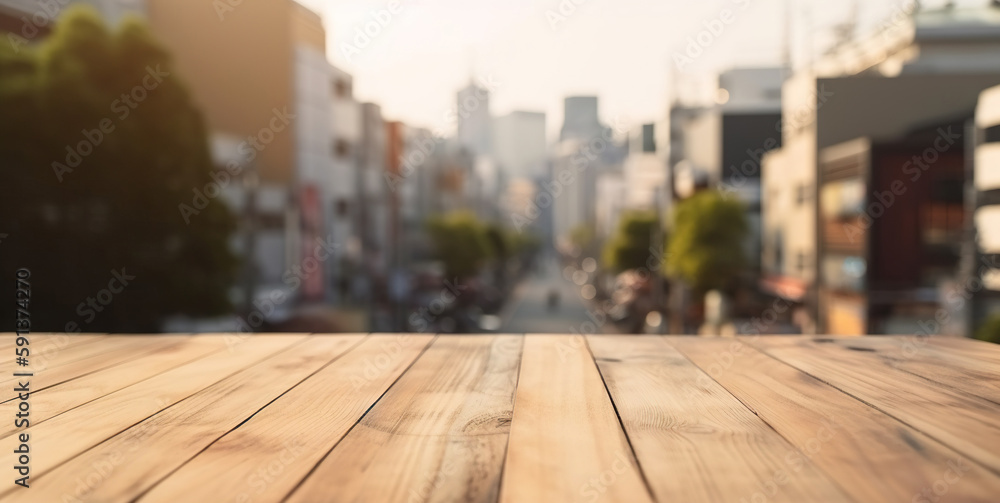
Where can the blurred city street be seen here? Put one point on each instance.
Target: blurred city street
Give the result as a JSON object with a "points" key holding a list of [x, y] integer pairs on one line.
{"points": [[800, 167], [528, 309], [317, 250]]}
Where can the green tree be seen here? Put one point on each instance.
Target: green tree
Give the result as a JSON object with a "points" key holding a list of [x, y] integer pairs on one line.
{"points": [[461, 241], [100, 144], [633, 243], [581, 236], [706, 245], [989, 331], [501, 242]]}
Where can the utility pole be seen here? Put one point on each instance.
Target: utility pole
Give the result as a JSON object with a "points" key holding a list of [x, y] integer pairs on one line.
{"points": [[656, 239], [250, 183]]}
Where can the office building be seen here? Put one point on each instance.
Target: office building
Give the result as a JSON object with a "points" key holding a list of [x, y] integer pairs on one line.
{"points": [[519, 145], [851, 122]]}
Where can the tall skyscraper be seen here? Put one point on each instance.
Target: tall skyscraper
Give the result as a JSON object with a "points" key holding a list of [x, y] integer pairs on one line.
{"points": [[474, 122], [580, 120], [519, 146]]}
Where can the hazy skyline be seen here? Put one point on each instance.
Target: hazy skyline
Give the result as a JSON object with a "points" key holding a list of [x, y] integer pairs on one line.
{"points": [[539, 51]]}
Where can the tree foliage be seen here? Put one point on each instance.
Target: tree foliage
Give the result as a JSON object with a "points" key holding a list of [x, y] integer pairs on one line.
{"points": [[581, 236], [634, 242], [462, 242], [506, 243], [707, 239], [100, 144], [989, 331]]}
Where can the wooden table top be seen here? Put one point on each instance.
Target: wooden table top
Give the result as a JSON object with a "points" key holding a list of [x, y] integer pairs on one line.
{"points": [[511, 418]]}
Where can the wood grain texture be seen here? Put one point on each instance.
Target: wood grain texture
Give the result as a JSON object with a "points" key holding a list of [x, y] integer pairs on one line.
{"points": [[163, 355], [133, 349], [438, 435], [872, 456], [50, 354], [963, 422], [146, 452], [958, 346], [45, 344], [62, 437], [536, 418], [265, 458], [682, 422], [932, 362], [566, 444]]}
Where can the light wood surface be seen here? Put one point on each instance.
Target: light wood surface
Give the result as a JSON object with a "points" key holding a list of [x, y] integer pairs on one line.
{"points": [[438, 435], [513, 418], [713, 445], [581, 456], [870, 455], [956, 418], [269, 455]]}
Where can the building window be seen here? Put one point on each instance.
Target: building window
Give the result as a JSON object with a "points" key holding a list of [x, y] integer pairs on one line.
{"points": [[342, 207], [845, 272], [341, 148], [842, 199], [943, 215], [779, 253], [801, 194], [341, 89], [991, 134]]}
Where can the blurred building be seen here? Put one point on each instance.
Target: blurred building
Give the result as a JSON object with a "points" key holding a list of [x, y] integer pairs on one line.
{"points": [[644, 170], [684, 177], [33, 19], [345, 129], [721, 146], [400, 200], [422, 164], [611, 193], [576, 162], [853, 123], [474, 121], [639, 183], [373, 207], [889, 235], [282, 116], [418, 194], [519, 146], [396, 256], [456, 180], [517, 203], [580, 119], [983, 250]]}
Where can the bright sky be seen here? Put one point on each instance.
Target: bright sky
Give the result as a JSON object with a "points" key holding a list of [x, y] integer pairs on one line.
{"points": [[619, 50]]}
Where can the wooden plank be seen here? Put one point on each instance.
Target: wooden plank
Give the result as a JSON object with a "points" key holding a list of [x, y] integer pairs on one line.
{"points": [[61, 438], [81, 358], [112, 355], [958, 346], [438, 435], [962, 422], [872, 456], [49, 351], [47, 342], [266, 457], [148, 451], [50, 402], [566, 443], [684, 424], [932, 362]]}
